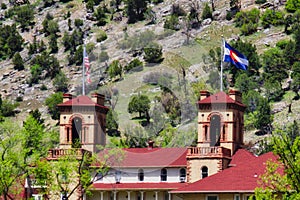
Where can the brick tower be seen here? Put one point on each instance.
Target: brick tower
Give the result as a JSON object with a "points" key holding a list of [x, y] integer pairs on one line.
{"points": [[82, 122], [220, 133]]}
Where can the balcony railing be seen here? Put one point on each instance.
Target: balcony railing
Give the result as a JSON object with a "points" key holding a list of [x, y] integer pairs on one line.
{"points": [[208, 152], [54, 154]]}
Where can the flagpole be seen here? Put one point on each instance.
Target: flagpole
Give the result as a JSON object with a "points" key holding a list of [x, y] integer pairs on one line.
{"points": [[83, 81], [222, 54]]}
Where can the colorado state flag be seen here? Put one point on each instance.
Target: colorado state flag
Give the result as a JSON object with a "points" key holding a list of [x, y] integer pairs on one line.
{"points": [[233, 56]]}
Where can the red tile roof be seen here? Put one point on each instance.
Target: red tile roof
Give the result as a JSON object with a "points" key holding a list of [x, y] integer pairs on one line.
{"points": [[241, 178], [155, 157], [240, 156], [220, 97], [81, 101], [137, 186]]}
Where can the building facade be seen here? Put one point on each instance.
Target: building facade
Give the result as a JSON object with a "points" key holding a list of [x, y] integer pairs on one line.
{"points": [[213, 170]]}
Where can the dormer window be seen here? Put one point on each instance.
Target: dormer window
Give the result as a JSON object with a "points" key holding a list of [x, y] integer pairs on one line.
{"points": [[182, 175], [163, 174], [141, 175]]}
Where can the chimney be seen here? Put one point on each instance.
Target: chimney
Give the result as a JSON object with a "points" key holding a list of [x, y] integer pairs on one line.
{"points": [[67, 97], [98, 98], [235, 95], [204, 94], [150, 144]]}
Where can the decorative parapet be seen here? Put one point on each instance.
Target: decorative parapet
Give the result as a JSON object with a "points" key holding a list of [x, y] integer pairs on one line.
{"points": [[208, 152], [79, 153]]}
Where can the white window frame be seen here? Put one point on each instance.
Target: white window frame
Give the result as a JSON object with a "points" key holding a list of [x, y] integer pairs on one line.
{"points": [[246, 195], [237, 195], [210, 195]]}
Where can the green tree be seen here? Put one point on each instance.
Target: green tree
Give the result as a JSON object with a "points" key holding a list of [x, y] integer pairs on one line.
{"points": [[35, 72], [135, 9], [140, 104], [153, 53], [60, 82], [172, 23], [115, 69], [9, 160], [112, 123], [274, 90], [78, 23], [247, 21], [249, 50], [25, 16], [11, 41], [67, 41], [52, 101], [8, 108], [100, 16], [207, 13], [258, 112], [134, 65], [285, 142], [244, 83], [275, 65], [53, 43], [272, 17], [292, 5], [52, 27], [68, 173], [18, 62]]}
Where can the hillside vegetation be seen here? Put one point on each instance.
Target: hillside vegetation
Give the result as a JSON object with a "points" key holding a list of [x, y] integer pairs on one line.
{"points": [[150, 59]]}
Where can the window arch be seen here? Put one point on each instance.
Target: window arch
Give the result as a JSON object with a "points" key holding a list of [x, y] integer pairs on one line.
{"points": [[141, 175], [204, 172], [163, 174], [182, 175], [215, 127]]}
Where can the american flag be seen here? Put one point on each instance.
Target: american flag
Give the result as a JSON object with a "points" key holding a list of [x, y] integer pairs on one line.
{"points": [[87, 66]]}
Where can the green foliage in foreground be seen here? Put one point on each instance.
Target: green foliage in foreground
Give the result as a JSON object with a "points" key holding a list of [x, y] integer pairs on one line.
{"points": [[52, 101], [285, 143]]}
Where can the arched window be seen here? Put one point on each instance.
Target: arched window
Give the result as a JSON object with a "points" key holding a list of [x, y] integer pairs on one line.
{"points": [[163, 174], [204, 171], [215, 126], [76, 132], [141, 175], [205, 132], [182, 175]]}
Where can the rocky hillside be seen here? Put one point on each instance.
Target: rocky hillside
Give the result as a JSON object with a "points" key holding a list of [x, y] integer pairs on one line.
{"points": [[186, 47]]}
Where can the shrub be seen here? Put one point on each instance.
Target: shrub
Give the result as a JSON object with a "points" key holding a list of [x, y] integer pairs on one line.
{"points": [[172, 23], [78, 22], [246, 17], [19, 99], [292, 5], [260, 1], [3, 6], [153, 53], [101, 36], [18, 61], [249, 28], [272, 17], [135, 65], [138, 41], [44, 87], [103, 56]]}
